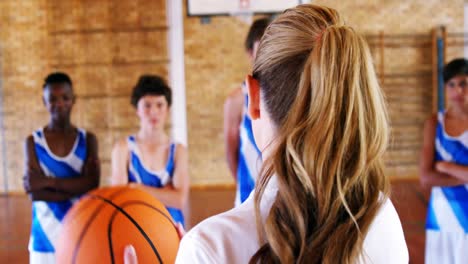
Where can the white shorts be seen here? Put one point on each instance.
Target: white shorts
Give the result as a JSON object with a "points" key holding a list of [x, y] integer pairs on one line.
{"points": [[446, 247], [41, 258]]}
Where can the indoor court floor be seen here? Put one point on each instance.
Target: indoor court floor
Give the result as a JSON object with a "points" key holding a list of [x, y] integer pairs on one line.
{"points": [[15, 215]]}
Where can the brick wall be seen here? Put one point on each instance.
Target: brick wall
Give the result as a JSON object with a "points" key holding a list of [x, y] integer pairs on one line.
{"points": [[106, 44], [216, 64], [24, 63]]}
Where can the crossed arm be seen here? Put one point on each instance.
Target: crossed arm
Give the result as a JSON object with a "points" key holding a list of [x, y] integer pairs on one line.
{"points": [[172, 195], [438, 173], [42, 188], [232, 119]]}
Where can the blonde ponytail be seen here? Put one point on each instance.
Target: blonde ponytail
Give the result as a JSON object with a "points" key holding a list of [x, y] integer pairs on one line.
{"points": [[320, 88]]}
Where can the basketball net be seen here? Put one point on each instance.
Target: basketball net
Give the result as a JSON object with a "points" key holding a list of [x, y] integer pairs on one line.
{"points": [[244, 13]]}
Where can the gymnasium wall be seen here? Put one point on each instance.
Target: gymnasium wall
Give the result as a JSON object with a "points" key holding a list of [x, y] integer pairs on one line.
{"points": [[214, 70], [106, 44]]}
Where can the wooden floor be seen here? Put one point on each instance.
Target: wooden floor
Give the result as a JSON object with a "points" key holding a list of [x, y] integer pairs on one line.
{"points": [[410, 201], [15, 216]]}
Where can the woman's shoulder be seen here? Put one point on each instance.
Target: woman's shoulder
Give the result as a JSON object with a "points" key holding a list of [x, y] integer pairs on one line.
{"points": [[233, 223], [217, 239], [385, 241]]}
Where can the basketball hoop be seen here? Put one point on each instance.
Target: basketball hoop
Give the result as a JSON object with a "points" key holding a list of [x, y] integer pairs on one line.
{"points": [[244, 4], [244, 12]]}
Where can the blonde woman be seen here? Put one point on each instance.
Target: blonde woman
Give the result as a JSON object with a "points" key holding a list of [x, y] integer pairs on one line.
{"points": [[319, 118]]}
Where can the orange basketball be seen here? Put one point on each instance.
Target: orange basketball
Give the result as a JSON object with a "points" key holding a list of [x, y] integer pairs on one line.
{"points": [[104, 221]]}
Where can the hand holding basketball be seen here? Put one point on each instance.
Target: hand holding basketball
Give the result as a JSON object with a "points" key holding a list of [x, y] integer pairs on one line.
{"points": [[130, 256], [105, 221]]}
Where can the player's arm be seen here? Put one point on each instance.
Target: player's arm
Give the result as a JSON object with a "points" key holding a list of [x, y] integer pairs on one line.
{"points": [[119, 163], [35, 183], [174, 195], [49, 196], [453, 169], [429, 176], [90, 174], [232, 119]]}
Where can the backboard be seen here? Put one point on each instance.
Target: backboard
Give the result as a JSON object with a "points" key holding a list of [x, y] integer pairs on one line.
{"points": [[238, 7]]}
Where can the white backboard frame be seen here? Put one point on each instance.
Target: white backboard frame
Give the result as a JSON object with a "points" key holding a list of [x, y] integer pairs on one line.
{"points": [[234, 7]]}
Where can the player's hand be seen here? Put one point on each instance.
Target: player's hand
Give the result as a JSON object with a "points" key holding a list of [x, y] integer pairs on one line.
{"points": [[443, 166], [180, 229], [133, 185], [130, 256], [35, 180]]}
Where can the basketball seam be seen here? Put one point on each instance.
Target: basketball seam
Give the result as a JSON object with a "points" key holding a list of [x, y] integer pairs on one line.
{"points": [[88, 223], [135, 223], [122, 206]]}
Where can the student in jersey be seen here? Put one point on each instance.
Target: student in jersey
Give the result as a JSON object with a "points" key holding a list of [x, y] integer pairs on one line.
{"points": [[243, 156], [319, 118], [444, 168], [150, 160], [61, 163]]}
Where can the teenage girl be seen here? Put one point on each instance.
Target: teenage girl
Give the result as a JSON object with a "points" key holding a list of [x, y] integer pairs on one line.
{"points": [[444, 167], [61, 163], [150, 160]]}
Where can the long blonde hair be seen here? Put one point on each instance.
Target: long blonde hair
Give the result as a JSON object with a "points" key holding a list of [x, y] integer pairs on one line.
{"points": [[319, 86]]}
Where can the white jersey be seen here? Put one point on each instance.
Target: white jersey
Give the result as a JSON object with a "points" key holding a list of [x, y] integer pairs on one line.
{"points": [[47, 216], [231, 237], [249, 158], [447, 212]]}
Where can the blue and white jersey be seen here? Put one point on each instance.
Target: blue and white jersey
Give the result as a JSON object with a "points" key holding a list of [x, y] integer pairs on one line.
{"points": [[47, 216], [448, 206], [139, 173], [249, 160]]}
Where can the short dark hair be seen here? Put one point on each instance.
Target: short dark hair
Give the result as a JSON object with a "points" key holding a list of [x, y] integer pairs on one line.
{"points": [[256, 32], [57, 77], [150, 85], [454, 68]]}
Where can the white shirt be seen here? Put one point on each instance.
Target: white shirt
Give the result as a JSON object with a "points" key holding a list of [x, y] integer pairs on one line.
{"points": [[231, 237]]}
